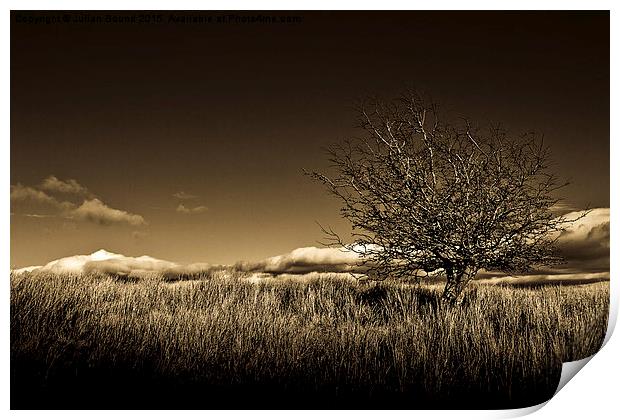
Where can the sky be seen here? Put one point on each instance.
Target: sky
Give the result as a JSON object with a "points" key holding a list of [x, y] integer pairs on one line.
{"points": [[186, 141]]}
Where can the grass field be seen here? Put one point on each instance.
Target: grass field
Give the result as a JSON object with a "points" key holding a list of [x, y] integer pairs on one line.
{"points": [[223, 342]]}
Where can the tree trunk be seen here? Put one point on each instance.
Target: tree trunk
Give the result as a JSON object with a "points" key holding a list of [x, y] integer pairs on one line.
{"points": [[456, 281]]}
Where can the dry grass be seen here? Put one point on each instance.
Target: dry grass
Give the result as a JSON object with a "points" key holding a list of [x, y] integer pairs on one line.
{"points": [[222, 342]]}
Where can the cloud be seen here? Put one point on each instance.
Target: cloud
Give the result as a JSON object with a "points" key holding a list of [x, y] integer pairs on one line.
{"points": [[130, 266], [181, 195], [28, 269], [180, 270], [191, 210], [307, 260], [106, 262], [75, 264], [541, 279], [585, 243], [96, 211], [562, 208], [262, 278], [102, 261], [35, 203], [181, 208], [70, 186], [138, 234], [21, 194]]}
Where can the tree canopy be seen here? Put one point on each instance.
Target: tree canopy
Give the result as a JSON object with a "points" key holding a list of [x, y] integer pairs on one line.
{"points": [[426, 197]]}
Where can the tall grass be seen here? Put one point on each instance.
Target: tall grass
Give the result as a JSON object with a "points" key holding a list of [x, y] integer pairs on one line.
{"points": [[222, 342]]}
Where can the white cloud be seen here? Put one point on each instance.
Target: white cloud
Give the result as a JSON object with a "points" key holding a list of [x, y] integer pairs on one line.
{"points": [[96, 211], [131, 266], [307, 260], [70, 186], [28, 269], [191, 210], [106, 262], [75, 264]]}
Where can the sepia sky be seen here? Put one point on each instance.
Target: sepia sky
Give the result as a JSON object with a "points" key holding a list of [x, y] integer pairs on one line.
{"points": [[186, 141]]}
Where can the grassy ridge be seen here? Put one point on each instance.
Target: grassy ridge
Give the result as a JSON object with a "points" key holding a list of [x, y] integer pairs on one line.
{"points": [[223, 342]]}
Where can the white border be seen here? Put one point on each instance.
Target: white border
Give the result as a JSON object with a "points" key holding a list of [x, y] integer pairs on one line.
{"points": [[593, 392]]}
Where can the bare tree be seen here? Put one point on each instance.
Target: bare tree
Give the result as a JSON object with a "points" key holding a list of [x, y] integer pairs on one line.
{"points": [[429, 198]]}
